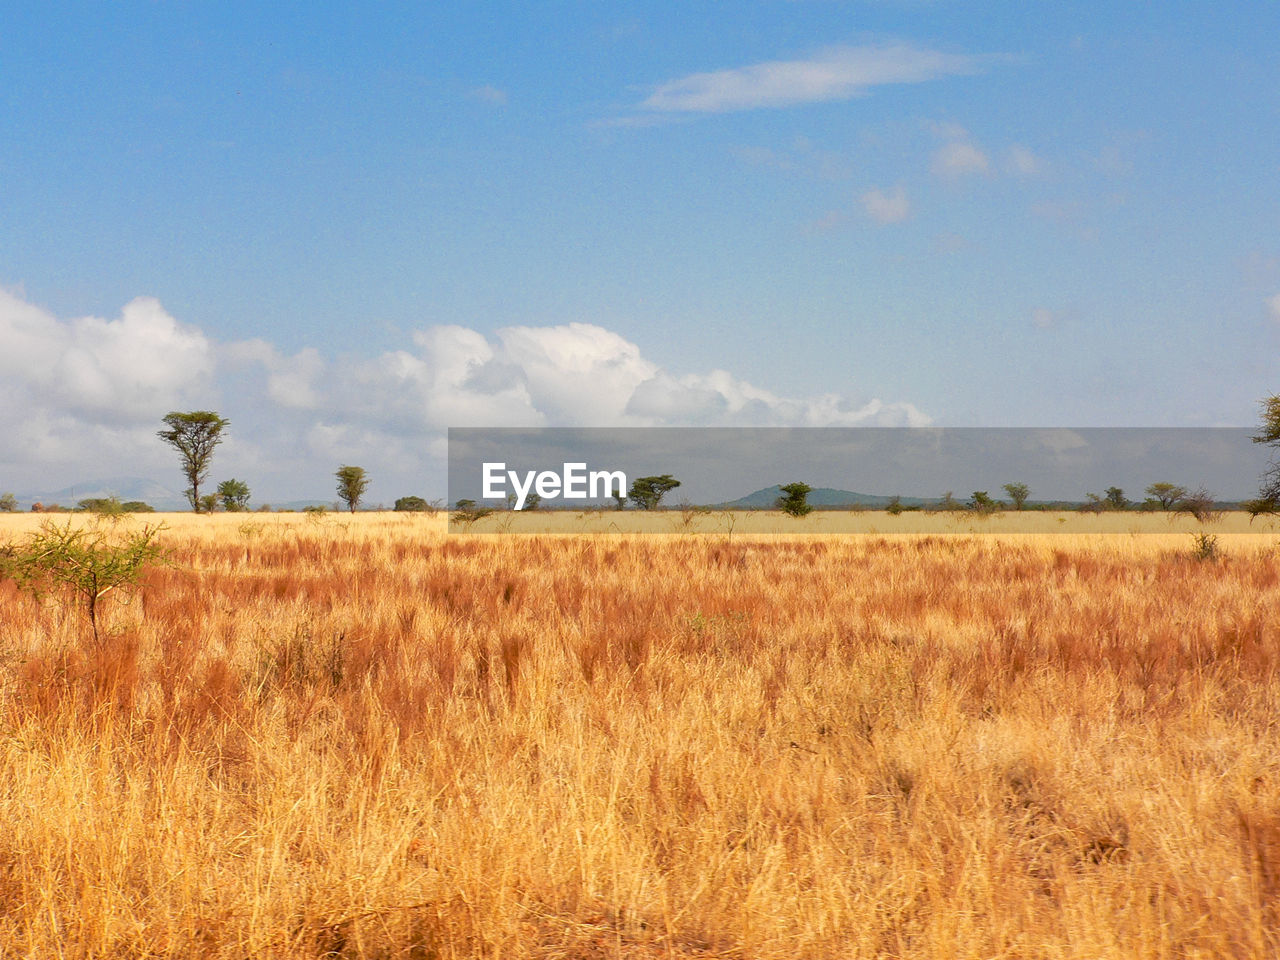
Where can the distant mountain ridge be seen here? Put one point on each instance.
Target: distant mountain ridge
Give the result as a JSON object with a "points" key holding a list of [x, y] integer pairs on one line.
{"points": [[126, 488], [822, 497], [157, 495]]}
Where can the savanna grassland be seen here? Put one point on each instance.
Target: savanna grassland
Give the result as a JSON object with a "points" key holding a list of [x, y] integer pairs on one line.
{"points": [[364, 737]]}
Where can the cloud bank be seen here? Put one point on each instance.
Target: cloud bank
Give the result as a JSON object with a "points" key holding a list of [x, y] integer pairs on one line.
{"points": [[83, 397]]}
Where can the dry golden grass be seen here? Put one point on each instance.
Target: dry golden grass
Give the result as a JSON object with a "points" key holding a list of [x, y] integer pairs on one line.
{"points": [[362, 737]]}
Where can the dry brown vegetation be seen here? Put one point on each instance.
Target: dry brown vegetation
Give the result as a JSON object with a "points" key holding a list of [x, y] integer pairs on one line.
{"points": [[367, 738]]}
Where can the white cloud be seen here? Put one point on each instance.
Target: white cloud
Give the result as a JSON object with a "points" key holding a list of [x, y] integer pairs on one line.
{"points": [[1273, 307], [84, 398], [291, 381], [891, 207], [577, 372], [1022, 162], [838, 73], [958, 159], [107, 371]]}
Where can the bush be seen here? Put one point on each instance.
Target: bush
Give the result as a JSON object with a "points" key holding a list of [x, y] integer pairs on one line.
{"points": [[102, 506], [87, 563], [981, 502], [1199, 503], [468, 512], [1205, 546], [234, 495]]}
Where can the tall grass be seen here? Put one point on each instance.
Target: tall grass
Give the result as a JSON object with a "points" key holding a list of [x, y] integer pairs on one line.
{"points": [[366, 738]]}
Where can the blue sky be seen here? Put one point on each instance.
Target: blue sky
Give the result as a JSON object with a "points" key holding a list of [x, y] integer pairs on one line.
{"points": [[348, 229]]}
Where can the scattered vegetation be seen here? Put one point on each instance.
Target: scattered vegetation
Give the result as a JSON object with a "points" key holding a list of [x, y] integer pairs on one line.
{"points": [[112, 507], [417, 505]]}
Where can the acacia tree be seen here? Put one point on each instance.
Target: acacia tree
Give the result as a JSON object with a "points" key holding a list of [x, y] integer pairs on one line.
{"points": [[352, 483], [1269, 433], [647, 492], [234, 495], [1198, 503], [1018, 493], [1166, 494], [793, 501], [194, 435], [88, 563]]}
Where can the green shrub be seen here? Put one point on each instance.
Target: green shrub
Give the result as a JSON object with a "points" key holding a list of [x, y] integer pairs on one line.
{"points": [[86, 563]]}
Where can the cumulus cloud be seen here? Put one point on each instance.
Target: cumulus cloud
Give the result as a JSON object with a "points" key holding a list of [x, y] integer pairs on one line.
{"points": [[891, 207], [291, 381], [107, 371], [90, 391], [87, 395], [838, 73], [959, 158]]}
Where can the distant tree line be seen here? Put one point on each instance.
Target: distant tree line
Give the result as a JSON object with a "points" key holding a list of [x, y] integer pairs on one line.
{"points": [[195, 435]]}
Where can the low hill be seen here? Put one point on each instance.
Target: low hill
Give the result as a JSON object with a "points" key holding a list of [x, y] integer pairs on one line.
{"points": [[821, 497]]}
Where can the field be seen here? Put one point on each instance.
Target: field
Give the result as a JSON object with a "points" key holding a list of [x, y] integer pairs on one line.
{"points": [[364, 737]]}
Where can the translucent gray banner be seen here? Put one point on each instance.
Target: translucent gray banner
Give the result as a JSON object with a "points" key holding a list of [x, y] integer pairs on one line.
{"points": [[539, 476]]}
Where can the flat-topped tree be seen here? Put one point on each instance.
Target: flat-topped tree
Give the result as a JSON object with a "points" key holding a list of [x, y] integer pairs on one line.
{"points": [[647, 492], [1166, 494], [194, 435]]}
